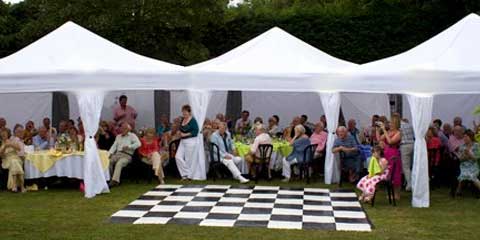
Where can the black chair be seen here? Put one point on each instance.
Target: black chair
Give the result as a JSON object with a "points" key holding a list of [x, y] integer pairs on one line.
{"points": [[341, 156], [217, 168], [260, 163], [308, 161], [389, 183], [3, 177], [140, 169], [171, 167]]}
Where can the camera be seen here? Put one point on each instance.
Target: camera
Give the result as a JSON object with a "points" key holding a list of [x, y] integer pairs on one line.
{"points": [[378, 123]]}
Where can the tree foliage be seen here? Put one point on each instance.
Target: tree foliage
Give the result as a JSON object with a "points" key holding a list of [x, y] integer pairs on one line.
{"points": [[190, 31]]}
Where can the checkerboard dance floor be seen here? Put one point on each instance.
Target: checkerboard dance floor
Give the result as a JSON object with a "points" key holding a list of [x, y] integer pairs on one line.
{"points": [[247, 206]]}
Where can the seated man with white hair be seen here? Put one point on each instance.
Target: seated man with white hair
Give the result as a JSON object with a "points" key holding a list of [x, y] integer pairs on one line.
{"points": [[346, 145], [226, 148], [121, 152]]}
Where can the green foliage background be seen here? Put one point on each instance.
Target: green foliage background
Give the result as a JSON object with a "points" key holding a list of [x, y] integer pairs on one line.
{"points": [[190, 31]]}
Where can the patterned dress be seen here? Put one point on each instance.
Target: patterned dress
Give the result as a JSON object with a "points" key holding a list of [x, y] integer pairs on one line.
{"points": [[14, 164], [469, 167], [368, 184]]}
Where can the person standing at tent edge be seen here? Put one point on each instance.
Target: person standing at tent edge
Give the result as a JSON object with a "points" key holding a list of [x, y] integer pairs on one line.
{"points": [[124, 113], [186, 150]]}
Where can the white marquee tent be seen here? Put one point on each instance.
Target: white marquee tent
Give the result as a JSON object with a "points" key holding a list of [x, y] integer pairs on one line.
{"points": [[74, 59], [278, 62], [445, 64]]}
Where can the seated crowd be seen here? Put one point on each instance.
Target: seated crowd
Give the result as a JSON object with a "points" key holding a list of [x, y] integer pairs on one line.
{"points": [[390, 143]]}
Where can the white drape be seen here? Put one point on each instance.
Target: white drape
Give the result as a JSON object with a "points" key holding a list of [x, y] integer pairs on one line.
{"points": [[421, 106], [199, 102], [331, 106], [90, 104]]}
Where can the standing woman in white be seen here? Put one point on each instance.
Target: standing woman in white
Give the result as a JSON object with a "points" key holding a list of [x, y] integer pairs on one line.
{"points": [[186, 150]]}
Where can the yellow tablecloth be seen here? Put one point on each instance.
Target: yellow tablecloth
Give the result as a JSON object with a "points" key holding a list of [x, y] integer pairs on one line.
{"points": [[282, 147], [44, 160]]}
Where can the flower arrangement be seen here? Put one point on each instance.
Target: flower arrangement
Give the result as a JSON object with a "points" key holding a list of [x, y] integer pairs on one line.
{"points": [[64, 143]]}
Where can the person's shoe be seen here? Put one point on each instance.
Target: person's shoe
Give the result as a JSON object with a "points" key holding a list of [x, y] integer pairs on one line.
{"points": [[184, 179], [408, 189], [285, 180], [243, 180], [162, 181], [113, 184]]}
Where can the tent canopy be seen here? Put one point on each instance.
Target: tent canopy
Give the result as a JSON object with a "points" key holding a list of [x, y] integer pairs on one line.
{"points": [[446, 64], [72, 58], [273, 61]]}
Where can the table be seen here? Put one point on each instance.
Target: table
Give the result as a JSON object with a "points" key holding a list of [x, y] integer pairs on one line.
{"points": [[281, 149], [42, 164]]}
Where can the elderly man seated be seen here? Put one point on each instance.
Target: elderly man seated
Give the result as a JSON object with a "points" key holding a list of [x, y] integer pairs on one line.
{"points": [[226, 148], [262, 137], [42, 140], [346, 147], [121, 152]]}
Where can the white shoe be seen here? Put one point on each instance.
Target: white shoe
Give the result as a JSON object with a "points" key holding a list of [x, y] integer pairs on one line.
{"points": [[286, 180], [243, 180]]}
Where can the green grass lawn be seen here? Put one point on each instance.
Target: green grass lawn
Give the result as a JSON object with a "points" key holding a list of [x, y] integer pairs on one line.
{"points": [[65, 214]]}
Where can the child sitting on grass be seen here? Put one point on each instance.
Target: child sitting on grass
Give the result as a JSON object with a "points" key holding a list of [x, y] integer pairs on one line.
{"points": [[377, 171]]}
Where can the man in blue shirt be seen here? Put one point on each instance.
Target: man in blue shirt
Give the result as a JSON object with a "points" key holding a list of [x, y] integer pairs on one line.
{"points": [[41, 140], [347, 148]]}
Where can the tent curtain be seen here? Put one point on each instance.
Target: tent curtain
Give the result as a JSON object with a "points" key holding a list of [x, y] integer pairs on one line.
{"points": [[331, 106], [199, 101], [421, 108], [90, 104]]}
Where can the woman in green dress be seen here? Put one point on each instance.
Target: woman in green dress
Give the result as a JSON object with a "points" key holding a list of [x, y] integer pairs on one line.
{"points": [[11, 160], [468, 155]]}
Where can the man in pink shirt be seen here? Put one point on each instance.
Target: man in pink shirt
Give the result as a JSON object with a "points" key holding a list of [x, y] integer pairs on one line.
{"points": [[124, 113], [319, 137]]}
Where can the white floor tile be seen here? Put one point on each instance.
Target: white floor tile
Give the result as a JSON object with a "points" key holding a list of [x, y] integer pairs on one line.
{"points": [[229, 210], [353, 227], [129, 213], [217, 223], [194, 215], [179, 198], [286, 211], [289, 201], [258, 205], [152, 220], [254, 217], [145, 202], [318, 219], [349, 214], [284, 225], [166, 208]]}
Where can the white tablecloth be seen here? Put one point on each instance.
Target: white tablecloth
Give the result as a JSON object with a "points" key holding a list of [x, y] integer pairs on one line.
{"points": [[71, 166]]}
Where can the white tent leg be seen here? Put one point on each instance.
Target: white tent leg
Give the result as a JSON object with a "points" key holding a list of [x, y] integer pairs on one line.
{"points": [[199, 101], [421, 107], [331, 106], [90, 104]]}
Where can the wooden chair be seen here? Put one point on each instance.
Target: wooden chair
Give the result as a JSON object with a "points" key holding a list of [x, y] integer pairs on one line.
{"points": [[396, 161], [260, 163]]}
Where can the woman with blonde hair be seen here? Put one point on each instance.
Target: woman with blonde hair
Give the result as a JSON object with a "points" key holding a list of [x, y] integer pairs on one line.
{"points": [[390, 141], [10, 153], [300, 141], [150, 152]]}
